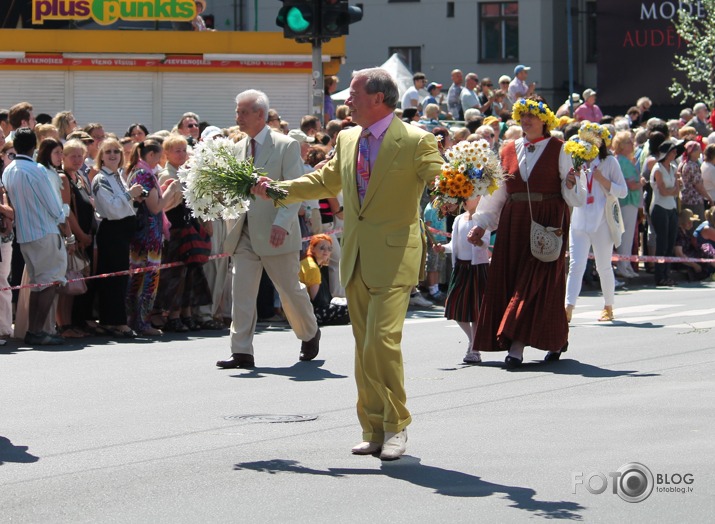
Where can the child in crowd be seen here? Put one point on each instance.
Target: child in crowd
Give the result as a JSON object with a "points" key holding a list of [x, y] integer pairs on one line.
{"points": [[314, 275], [686, 246], [469, 277], [435, 261]]}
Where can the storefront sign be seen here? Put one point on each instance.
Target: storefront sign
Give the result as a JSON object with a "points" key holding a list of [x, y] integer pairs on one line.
{"points": [[170, 62], [106, 12], [637, 44]]}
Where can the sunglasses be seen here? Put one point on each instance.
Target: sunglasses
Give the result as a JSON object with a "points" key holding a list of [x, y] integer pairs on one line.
{"points": [[112, 151], [192, 125], [489, 85]]}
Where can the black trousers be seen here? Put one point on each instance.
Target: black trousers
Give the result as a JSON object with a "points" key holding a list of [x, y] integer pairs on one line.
{"points": [[113, 238]]}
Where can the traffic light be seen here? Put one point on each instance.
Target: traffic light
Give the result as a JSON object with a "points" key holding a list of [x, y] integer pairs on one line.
{"points": [[298, 18], [336, 17]]}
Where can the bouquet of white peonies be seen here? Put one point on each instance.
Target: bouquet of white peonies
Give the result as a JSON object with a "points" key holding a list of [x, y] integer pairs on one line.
{"points": [[218, 185]]}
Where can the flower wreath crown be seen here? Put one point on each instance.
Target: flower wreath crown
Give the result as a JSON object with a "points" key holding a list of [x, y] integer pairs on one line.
{"points": [[595, 134], [538, 109]]}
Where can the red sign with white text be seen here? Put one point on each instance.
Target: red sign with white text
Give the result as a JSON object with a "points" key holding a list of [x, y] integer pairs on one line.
{"points": [[168, 63]]}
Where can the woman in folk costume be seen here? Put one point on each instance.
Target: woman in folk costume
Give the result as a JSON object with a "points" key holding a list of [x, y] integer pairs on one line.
{"points": [[523, 302]]}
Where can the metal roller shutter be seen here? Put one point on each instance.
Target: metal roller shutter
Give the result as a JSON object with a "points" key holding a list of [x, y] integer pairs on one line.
{"points": [[115, 99], [45, 90], [212, 95]]}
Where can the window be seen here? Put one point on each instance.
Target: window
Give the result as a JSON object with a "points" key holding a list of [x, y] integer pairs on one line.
{"points": [[411, 56], [450, 9], [591, 36], [499, 24]]}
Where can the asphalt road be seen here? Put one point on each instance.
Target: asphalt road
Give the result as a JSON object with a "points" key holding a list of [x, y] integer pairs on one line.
{"points": [[153, 432]]}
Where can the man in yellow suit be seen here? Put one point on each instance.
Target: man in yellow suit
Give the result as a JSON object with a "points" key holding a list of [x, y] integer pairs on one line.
{"points": [[382, 168]]}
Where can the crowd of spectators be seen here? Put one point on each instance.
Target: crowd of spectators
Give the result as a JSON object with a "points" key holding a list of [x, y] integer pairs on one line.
{"points": [[113, 200]]}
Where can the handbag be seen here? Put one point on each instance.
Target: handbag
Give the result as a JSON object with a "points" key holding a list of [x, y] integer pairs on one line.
{"points": [[545, 241], [195, 245], [614, 219], [76, 269]]}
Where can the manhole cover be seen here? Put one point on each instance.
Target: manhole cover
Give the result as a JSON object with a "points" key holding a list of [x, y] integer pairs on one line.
{"points": [[272, 419]]}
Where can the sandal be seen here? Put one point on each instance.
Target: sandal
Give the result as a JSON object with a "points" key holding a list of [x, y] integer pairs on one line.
{"points": [[175, 325], [115, 332], [70, 332], [191, 323], [212, 324], [151, 332], [606, 315]]}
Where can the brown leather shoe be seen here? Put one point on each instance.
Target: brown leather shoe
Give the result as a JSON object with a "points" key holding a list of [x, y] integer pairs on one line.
{"points": [[309, 350], [237, 360]]}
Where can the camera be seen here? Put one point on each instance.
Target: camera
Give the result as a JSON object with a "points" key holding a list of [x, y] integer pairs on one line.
{"points": [[145, 193]]}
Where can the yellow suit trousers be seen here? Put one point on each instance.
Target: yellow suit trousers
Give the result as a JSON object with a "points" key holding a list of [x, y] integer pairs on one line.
{"points": [[377, 315]]}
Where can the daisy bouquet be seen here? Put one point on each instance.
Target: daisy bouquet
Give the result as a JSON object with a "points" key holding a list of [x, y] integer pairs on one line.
{"points": [[218, 185], [471, 169]]}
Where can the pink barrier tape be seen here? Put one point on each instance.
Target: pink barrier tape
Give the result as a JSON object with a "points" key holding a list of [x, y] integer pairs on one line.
{"points": [[614, 258], [629, 258], [135, 271], [656, 259]]}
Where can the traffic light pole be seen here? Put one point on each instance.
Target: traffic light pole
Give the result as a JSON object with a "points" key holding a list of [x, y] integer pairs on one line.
{"points": [[318, 88]]}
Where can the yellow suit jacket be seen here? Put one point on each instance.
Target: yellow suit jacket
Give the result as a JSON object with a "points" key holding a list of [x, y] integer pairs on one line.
{"points": [[385, 230], [279, 158]]}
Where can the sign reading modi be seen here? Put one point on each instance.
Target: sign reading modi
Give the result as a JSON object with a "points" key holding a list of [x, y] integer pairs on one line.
{"points": [[106, 12]]}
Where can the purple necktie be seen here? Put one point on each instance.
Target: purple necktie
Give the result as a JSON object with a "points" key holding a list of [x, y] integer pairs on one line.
{"points": [[253, 149], [363, 164]]}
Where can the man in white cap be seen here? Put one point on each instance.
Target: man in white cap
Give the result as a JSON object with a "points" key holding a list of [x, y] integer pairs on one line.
{"points": [[518, 87], [588, 110]]}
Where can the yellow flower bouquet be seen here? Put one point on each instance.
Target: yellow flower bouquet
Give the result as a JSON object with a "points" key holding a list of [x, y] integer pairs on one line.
{"points": [[584, 147]]}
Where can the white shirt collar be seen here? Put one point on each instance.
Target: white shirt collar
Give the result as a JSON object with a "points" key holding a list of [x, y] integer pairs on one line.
{"points": [[261, 136]]}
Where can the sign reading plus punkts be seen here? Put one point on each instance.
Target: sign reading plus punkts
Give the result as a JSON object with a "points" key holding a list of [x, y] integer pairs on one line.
{"points": [[106, 12]]}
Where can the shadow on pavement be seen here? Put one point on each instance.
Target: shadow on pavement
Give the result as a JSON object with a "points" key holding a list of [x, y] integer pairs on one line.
{"points": [[623, 323], [12, 453], [442, 481], [567, 366], [298, 372]]}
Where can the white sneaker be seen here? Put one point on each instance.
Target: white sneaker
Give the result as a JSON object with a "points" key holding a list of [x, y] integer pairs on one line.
{"points": [[419, 301], [367, 448], [394, 446], [472, 357]]}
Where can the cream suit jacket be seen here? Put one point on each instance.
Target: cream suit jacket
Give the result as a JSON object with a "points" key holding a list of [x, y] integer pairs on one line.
{"points": [[279, 159], [385, 230]]}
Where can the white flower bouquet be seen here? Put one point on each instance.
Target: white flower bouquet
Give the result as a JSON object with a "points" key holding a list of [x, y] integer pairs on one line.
{"points": [[471, 169], [218, 185]]}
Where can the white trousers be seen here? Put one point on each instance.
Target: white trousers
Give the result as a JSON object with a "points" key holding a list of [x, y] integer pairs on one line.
{"points": [[217, 275], [580, 243], [630, 216]]}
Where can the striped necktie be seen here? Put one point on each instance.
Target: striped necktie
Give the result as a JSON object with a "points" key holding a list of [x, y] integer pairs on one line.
{"points": [[363, 164]]}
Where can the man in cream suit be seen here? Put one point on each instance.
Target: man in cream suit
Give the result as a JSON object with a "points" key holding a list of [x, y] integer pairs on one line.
{"points": [[267, 237], [382, 245]]}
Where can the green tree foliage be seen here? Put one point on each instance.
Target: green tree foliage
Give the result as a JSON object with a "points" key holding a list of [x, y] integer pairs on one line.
{"points": [[694, 25]]}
